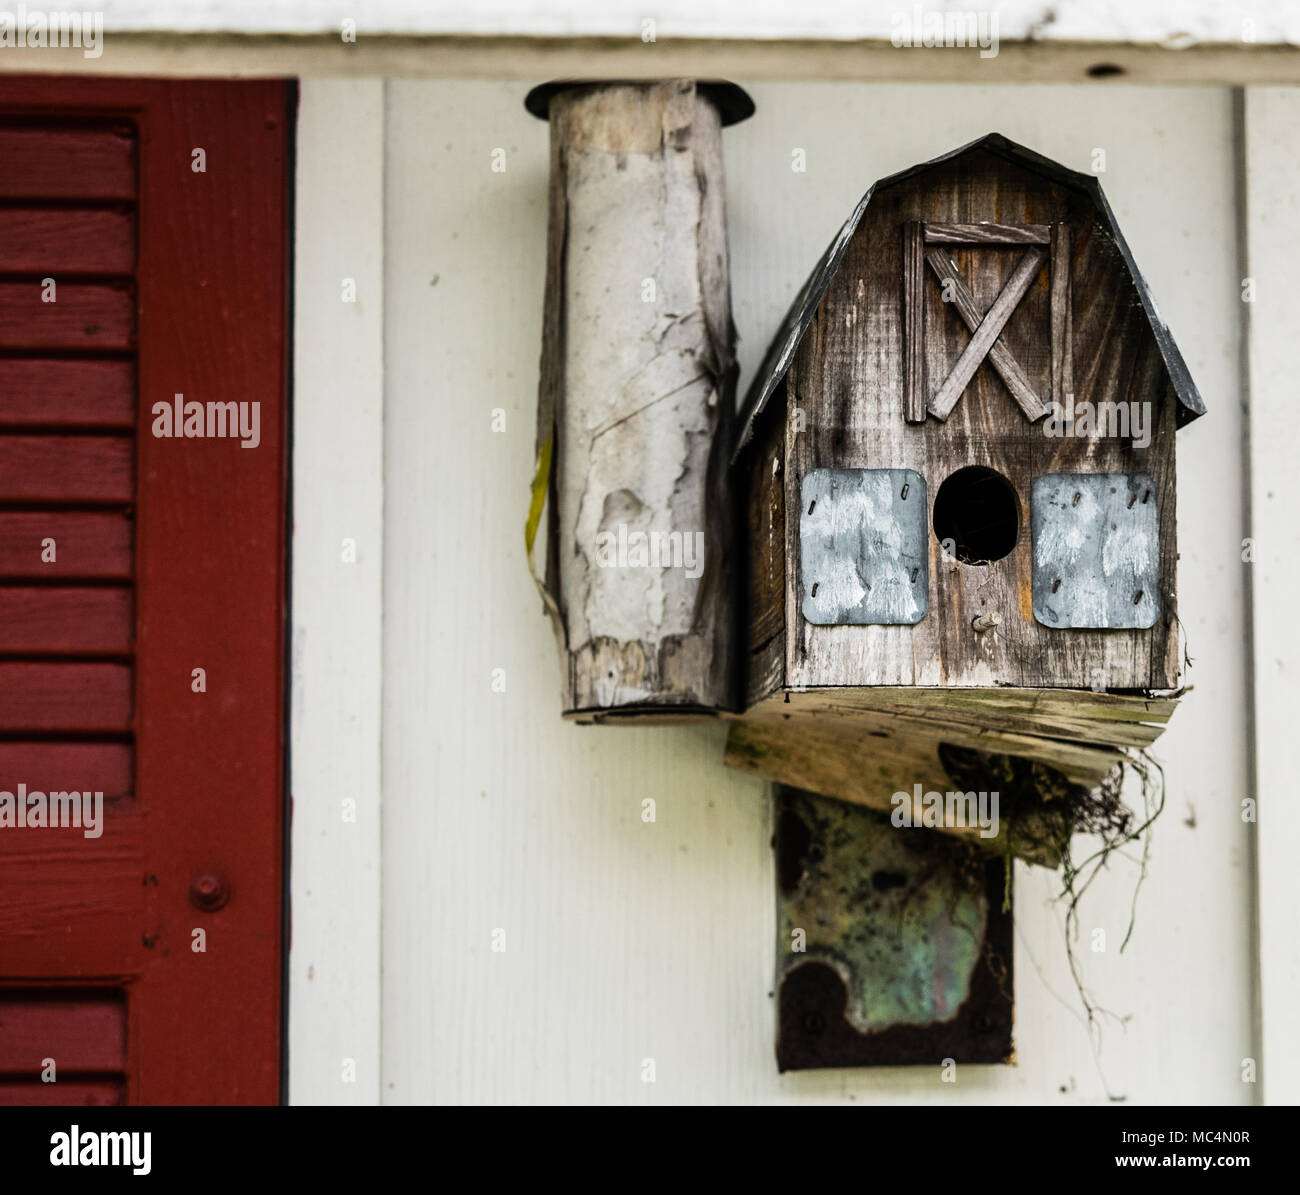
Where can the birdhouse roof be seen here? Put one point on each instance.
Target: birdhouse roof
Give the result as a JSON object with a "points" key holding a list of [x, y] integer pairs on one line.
{"points": [[785, 343]]}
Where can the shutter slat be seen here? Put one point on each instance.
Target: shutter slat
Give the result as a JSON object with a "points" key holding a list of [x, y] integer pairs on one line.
{"points": [[84, 315], [76, 907], [66, 392], [60, 163], [86, 546], [83, 1033], [37, 468], [35, 620], [77, 767], [89, 1093], [52, 240], [91, 698]]}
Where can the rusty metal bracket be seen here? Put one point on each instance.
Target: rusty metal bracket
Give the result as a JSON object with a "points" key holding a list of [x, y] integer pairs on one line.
{"points": [[893, 946]]}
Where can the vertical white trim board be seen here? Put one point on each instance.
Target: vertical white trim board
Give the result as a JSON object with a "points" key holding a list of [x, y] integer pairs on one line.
{"points": [[337, 594], [1272, 172]]}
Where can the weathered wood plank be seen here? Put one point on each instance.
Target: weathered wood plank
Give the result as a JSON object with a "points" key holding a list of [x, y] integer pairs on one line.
{"points": [[764, 598], [986, 233], [1000, 357], [864, 745], [642, 514], [867, 756], [1062, 321], [985, 336], [1066, 714], [914, 321]]}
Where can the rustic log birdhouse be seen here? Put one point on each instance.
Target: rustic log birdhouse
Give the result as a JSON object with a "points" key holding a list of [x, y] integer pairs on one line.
{"points": [[957, 465], [630, 533]]}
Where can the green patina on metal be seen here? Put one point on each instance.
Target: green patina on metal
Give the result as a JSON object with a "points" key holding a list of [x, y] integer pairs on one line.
{"points": [[901, 915]]}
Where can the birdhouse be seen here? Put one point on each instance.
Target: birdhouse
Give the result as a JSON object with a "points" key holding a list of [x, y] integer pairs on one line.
{"points": [[630, 530], [957, 464]]}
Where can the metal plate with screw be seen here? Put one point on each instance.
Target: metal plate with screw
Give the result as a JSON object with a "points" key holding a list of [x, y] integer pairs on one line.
{"points": [[863, 547], [1096, 550]]}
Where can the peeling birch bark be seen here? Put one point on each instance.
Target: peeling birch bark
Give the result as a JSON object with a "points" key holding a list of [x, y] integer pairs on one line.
{"points": [[637, 384]]}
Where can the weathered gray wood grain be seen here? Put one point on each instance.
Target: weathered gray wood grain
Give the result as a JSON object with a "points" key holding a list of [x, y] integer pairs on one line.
{"points": [[986, 334], [847, 409], [637, 379], [999, 356], [1062, 320], [914, 321], [986, 233]]}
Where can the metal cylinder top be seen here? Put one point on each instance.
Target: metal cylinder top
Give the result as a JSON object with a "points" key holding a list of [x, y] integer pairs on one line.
{"points": [[733, 102]]}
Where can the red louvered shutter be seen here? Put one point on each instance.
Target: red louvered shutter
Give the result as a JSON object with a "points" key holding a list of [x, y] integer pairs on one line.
{"points": [[128, 561]]}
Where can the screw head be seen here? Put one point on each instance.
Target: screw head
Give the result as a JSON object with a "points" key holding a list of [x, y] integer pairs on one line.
{"points": [[209, 892], [814, 1024]]}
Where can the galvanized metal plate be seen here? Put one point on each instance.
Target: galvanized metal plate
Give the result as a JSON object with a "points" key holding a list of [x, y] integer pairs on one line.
{"points": [[1096, 550], [863, 547], [893, 946]]}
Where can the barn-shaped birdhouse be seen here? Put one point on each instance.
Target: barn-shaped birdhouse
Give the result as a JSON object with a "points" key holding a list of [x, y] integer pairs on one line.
{"points": [[957, 463]]}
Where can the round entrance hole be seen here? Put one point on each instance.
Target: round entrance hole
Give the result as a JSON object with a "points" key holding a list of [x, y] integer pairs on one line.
{"points": [[977, 515]]}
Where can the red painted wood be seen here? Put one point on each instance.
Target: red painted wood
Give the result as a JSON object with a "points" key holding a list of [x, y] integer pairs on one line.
{"points": [[63, 163], [86, 545], [82, 908], [84, 698], [66, 392], [213, 284], [73, 1093], [85, 1033], [39, 620], [54, 240], [210, 313], [95, 767], [82, 469], [84, 315]]}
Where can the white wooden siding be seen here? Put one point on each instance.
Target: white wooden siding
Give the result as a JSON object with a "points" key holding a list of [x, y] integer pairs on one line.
{"points": [[628, 941], [1164, 22], [1273, 234], [1145, 41]]}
